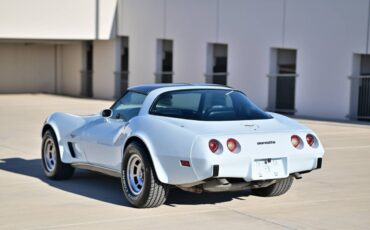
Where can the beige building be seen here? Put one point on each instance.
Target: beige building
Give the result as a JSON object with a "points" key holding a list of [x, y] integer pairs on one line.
{"points": [[303, 57], [59, 46]]}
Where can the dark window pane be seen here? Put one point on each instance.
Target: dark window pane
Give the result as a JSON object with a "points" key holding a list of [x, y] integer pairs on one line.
{"points": [[89, 56], [207, 105], [285, 96], [167, 62], [364, 99], [220, 65]]}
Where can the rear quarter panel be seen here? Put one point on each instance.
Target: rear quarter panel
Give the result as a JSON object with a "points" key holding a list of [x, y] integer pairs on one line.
{"points": [[167, 143]]}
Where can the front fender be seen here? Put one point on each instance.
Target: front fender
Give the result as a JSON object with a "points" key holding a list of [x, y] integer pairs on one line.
{"points": [[63, 124]]}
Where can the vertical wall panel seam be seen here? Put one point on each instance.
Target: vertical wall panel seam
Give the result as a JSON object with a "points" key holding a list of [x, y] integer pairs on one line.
{"points": [[61, 48], [217, 21], [164, 19], [119, 15], [368, 29], [284, 23], [97, 19], [56, 69]]}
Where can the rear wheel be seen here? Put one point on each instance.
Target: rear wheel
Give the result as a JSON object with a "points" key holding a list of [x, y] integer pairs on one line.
{"points": [[54, 168], [139, 182], [277, 189]]}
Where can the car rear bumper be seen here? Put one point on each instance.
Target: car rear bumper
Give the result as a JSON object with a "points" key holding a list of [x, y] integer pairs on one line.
{"points": [[242, 166], [216, 172], [246, 167]]}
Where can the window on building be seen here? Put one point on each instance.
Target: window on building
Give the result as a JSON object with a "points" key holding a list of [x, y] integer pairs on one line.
{"points": [[164, 73], [123, 74], [283, 80], [360, 88], [217, 64], [87, 72]]}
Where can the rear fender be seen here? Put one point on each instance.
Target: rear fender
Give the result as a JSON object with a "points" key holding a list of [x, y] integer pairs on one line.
{"points": [[158, 167], [167, 144]]}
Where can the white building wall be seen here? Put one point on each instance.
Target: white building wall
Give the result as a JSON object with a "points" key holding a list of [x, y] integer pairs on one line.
{"points": [[57, 19], [326, 34], [191, 24], [144, 23], [27, 68], [105, 64], [251, 29], [54, 30], [107, 18]]}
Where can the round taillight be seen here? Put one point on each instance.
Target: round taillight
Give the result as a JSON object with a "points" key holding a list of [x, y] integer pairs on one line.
{"points": [[296, 141], [232, 144], [213, 145], [310, 139]]}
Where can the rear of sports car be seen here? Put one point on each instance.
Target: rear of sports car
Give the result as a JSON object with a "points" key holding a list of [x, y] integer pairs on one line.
{"points": [[256, 156], [236, 145], [253, 155]]}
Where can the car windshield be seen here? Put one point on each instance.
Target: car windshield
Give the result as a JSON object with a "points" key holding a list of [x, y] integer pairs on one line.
{"points": [[207, 105]]}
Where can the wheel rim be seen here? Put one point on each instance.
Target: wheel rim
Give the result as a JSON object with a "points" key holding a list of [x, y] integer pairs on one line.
{"points": [[135, 174], [50, 155]]}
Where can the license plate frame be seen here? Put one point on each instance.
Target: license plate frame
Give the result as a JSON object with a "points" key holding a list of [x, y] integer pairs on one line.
{"points": [[269, 168]]}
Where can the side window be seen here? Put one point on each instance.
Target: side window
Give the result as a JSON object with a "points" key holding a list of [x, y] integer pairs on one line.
{"points": [[129, 106]]}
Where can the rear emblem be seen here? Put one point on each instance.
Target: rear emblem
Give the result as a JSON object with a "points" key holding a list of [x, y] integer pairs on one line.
{"points": [[266, 143]]}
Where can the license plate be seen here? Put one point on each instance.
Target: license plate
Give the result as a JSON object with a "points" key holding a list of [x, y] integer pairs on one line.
{"points": [[269, 168]]}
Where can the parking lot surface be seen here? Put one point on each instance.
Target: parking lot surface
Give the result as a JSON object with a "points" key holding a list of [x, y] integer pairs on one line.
{"points": [[335, 197]]}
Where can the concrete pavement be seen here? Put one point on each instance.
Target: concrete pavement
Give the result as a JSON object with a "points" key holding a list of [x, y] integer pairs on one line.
{"points": [[335, 197]]}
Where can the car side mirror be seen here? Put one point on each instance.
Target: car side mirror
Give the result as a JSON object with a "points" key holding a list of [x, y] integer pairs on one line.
{"points": [[106, 113]]}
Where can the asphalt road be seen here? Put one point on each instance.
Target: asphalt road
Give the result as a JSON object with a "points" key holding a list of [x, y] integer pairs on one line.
{"points": [[335, 197]]}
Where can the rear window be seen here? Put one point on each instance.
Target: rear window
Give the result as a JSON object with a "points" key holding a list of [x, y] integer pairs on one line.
{"points": [[207, 105]]}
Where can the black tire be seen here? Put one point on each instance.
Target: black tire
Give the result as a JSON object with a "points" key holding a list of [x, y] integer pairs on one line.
{"points": [[153, 193], [59, 170], [277, 189]]}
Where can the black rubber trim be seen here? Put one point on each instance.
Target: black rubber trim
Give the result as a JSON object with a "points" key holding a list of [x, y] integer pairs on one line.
{"points": [[216, 169], [71, 150], [304, 172], [319, 163]]}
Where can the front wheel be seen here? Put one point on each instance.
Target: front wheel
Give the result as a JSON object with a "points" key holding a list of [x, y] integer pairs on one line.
{"points": [[54, 168], [139, 182], [279, 188]]}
